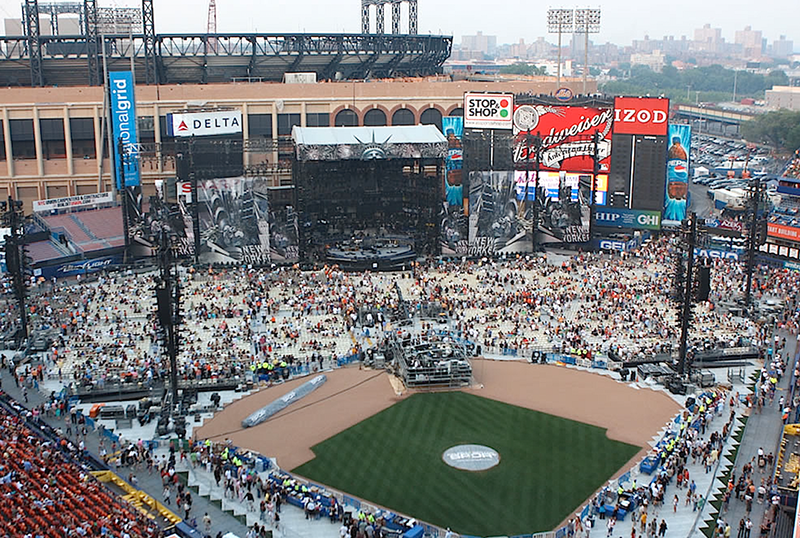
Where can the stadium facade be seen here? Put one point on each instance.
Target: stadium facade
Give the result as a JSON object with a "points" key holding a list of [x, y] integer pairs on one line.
{"points": [[52, 137]]}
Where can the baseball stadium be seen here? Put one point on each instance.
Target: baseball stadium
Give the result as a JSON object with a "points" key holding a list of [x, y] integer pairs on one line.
{"points": [[312, 285]]}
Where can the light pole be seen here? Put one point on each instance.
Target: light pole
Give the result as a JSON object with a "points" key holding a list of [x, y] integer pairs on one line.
{"points": [[558, 22], [587, 21]]}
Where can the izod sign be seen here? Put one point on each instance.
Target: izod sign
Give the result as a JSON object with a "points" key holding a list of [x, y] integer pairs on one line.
{"points": [[206, 123], [488, 110], [641, 116]]}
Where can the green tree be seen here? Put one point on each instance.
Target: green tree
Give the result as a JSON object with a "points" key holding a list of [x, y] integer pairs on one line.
{"points": [[779, 128], [520, 68]]}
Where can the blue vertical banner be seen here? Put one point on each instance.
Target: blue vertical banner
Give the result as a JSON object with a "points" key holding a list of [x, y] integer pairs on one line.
{"points": [[123, 127], [675, 202], [453, 128]]}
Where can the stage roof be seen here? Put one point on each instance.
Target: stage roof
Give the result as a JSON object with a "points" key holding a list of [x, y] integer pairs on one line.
{"points": [[368, 143]]}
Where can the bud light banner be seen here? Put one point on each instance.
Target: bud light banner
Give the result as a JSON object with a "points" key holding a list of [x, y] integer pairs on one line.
{"points": [[679, 137], [566, 133], [81, 267], [123, 126]]}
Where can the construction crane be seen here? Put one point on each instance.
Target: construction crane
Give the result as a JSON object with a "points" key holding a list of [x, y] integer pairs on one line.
{"points": [[211, 29]]}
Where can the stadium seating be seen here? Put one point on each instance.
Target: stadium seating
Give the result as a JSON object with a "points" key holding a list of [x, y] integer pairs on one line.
{"points": [[47, 495], [73, 231], [44, 250]]}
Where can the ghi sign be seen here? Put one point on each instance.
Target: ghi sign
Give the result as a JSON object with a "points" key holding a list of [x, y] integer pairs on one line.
{"points": [[488, 110], [627, 218], [641, 115], [205, 123]]}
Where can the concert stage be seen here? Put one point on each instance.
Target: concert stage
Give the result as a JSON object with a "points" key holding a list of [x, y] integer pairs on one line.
{"points": [[368, 197]]}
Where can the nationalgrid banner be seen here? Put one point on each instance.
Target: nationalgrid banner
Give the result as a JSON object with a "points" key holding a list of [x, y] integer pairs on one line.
{"points": [[123, 125]]}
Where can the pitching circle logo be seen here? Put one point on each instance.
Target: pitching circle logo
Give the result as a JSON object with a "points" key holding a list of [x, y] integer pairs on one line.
{"points": [[471, 457]]}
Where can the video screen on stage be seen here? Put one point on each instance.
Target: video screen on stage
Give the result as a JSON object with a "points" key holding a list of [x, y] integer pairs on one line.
{"points": [[234, 216]]}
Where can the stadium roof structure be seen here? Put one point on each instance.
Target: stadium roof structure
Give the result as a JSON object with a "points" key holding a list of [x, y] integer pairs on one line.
{"points": [[62, 60]]}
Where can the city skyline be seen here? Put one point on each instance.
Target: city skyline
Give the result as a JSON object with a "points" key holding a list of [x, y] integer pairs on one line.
{"points": [[622, 22]]}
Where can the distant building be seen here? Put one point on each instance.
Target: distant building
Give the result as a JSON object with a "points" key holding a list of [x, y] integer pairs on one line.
{"points": [[782, 48], [708, 39], [486, 44], [654, 60], [784, 97], [751, 41], [518, 50]]}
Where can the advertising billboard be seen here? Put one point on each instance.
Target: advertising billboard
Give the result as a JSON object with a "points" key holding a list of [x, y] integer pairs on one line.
{"points": [[205, 123], [549, 183], [677, 172], [123, 128], [782, 231], [488, 110], [453, 129], [71, 202], [641, 115], [628, 218], [566, 133]]}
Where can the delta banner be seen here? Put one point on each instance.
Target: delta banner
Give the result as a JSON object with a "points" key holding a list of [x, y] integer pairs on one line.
{"points": [[488, 110], [189, 124], [679, 139], [641, 115], [123, 126], [566, 133], [627, 218]]}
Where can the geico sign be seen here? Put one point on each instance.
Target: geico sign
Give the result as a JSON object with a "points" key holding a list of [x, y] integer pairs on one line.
{"points": [[646, 116]]}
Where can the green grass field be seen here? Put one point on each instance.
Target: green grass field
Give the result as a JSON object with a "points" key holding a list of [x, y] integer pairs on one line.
{"points": [[548, 467]]}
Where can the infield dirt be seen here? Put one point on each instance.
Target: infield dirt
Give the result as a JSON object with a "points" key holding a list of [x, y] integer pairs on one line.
{"points": [[350, 395]]}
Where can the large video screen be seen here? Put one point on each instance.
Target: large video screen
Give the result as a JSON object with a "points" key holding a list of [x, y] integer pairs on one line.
{"points": [[236, 223]]}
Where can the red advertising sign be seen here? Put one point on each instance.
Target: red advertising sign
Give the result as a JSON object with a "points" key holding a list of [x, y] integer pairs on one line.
{"points": [[566, 133], [789, 233], [641, 115]]}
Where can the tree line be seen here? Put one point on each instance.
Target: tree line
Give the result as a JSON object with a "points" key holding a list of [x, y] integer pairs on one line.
{"points": [[780, 128], [681, 85]]}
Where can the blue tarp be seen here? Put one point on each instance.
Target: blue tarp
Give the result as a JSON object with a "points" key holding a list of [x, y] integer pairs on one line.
{"points": [[283, 402], [415, 532]]}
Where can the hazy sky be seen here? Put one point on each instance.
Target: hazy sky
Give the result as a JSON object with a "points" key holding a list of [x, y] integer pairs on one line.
{"points": [[622, 20]]}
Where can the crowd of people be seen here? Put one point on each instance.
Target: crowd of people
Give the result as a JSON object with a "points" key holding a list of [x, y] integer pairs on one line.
{"points": [[47, 493], [264, 320], [239, 321]]}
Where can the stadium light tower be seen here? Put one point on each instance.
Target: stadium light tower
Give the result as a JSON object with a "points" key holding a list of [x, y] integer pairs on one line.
{"points": [[587, 21], [558, 22]]}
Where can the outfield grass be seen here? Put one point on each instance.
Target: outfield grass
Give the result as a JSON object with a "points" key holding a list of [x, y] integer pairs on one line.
{"points": [[548, 467]]}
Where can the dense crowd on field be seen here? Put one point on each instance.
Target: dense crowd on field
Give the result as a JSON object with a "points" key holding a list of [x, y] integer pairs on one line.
{"points": [[240, 320]]}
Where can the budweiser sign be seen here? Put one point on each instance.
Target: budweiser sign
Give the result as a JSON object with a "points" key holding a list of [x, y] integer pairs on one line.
{"points": [[566, 134]]}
